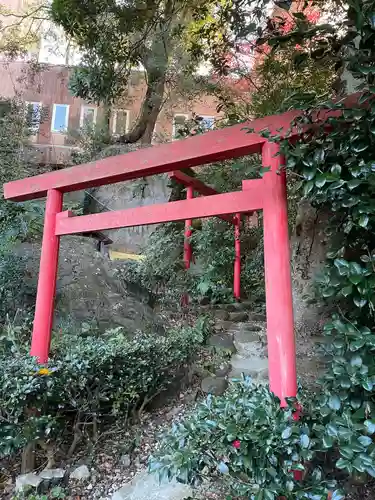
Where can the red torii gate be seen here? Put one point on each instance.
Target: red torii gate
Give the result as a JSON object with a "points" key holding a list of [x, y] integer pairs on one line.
{"points": [[267, 194], [192, 184]]}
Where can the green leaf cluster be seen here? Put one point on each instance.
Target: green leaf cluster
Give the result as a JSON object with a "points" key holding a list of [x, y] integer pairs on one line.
{"points": [[87, 377], [250, 443]]}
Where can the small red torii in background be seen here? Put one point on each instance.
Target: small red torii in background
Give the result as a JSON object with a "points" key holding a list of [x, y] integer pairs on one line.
{"points": [[267, 194], [192, 184]]}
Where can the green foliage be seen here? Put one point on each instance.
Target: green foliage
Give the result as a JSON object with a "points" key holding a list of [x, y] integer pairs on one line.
{"points": [[97, 83], [162, 271], [88, 378], [18, 221], [89, 142], [248, 441], [116, 38], [14, 140], [290, 80], [57, 493], [213, 248], [12, 282]]}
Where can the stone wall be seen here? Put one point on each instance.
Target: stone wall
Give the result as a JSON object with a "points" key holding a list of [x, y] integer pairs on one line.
{"points": [[309, 246], [89, 288]]}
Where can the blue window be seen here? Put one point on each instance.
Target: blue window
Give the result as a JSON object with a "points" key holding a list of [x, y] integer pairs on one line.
{"points": [[60, 118], [207, 122]]}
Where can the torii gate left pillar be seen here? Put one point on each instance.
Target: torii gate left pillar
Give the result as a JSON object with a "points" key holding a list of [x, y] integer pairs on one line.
{"points": [[45, 297]]}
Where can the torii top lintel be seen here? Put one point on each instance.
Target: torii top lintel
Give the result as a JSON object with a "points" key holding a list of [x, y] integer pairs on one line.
{"points": [[217, 145], [230, 142]]}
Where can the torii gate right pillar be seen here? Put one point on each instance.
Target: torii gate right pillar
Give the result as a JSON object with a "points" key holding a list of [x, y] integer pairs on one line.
{"points": [[280, 322]]}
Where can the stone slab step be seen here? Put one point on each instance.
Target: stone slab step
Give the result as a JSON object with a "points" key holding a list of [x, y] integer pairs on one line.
{"points": [[146, 486], [250, 349], [232, 328], [221, 314], [256, 367], [223, 341], [238, 316], [214, 385]]}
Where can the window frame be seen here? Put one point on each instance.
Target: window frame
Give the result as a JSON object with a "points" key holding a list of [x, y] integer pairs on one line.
{"points": [[186, 116], [61, 131], [114, 120], [34, 131], [82, 115]]}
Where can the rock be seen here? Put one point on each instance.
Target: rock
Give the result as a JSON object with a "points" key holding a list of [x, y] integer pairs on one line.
{"points": [[248, 344], [51, 478], [256, 367], [52, 474], [155, 189], [221, 314], [81, 473], [261, 317], [244, 335], [252, 327], [222, 370], [214, 385], [238, 317], [25, 481], [242, 306], [228, 307], [125, 460], [191, 396], [224, 325], [147, 487], [222, 341], [91, 286]]}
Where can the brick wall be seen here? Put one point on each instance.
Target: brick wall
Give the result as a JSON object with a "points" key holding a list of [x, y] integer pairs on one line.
{"points": [[49, 86]]}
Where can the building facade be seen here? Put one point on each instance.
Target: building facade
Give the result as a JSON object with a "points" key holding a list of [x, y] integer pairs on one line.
{"points": [[43, 87], [56, 113]]}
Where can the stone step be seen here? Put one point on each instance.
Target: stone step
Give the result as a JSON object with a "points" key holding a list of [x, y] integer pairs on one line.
{"points": [[259, 317], [230, 307], [221, 314], [232, 327], [238, 316], [236, 306], [146, 486], [249, 344], [214, 385], [222, 341], [256, 367]]}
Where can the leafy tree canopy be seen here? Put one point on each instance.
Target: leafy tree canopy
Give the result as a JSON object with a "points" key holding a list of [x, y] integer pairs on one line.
{"points": [[118, 37]]}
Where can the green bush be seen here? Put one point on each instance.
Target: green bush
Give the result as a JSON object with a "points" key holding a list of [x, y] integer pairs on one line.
{"points": [[163, 273], [87, 378], [251, 444]]}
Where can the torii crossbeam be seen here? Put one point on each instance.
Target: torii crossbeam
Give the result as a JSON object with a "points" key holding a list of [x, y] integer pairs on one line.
{"points": [[267, 194]]}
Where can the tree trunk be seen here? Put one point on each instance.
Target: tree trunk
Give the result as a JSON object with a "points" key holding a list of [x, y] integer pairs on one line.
{"points": [[156, 65]]}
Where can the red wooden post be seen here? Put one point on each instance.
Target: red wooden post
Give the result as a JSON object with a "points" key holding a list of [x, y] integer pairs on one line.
{"points": [[43, 319], [237, 258], [280, 323], [188, 253]]}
